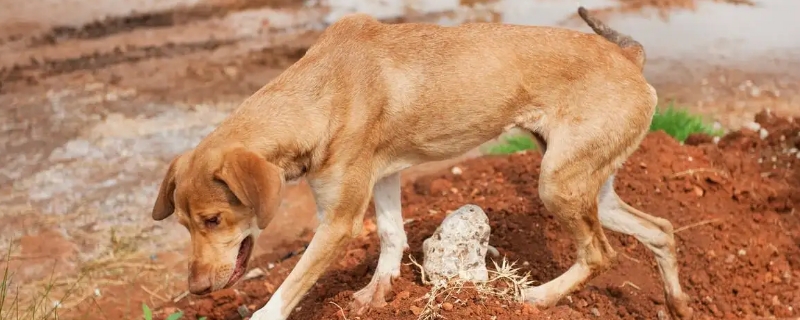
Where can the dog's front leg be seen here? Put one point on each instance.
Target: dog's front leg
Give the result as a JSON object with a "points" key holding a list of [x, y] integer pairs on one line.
{"points": [[343, 199], [386, 195]]}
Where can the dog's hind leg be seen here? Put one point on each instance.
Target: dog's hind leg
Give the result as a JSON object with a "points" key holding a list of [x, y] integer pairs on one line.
{"points": [[656, 234], [386, 196], [584, 147], [572, 173]]}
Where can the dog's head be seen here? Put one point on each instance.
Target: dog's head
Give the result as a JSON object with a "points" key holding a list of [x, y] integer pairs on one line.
{"points": [[224, 199]]}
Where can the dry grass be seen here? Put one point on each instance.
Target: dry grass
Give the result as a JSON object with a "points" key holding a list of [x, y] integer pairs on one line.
{"points": [[505, 283], [120, 265], [42, 300]]}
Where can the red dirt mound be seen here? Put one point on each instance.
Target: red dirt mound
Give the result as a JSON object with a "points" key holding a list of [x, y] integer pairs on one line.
{"points": [[733, 206]]}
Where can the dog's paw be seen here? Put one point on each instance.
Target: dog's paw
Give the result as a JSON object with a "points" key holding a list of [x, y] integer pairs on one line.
{"points": [[679, 307], [373, 296], [540, 297], [263, 314]]}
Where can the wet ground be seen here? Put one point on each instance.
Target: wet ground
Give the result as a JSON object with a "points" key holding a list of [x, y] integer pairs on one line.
{"points": [[97, 96]]}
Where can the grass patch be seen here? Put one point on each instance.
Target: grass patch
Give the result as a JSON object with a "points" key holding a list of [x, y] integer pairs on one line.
{"points": [[40, 307], [178, 315], [676, 122], [679, 123], [513, 144]]}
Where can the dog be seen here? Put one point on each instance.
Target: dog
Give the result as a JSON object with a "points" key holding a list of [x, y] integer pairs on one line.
{"points": [[369, 99]]}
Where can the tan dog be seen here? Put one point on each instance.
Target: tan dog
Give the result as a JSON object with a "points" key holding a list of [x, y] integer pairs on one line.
{"points": [[371, 99]]}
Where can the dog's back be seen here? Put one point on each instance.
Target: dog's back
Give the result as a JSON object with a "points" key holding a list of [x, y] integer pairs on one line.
{"points": [[478, 78]]}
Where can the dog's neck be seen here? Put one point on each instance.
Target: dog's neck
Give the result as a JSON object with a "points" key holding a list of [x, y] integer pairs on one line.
{"points": [[278, 122]]}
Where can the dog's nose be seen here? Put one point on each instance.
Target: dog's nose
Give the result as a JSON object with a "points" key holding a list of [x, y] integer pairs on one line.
{"points": [[199, 288], [199, 283]]}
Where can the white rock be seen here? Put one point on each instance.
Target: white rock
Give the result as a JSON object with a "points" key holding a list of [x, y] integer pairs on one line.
{"points": [[456, 171], [458, 247]]}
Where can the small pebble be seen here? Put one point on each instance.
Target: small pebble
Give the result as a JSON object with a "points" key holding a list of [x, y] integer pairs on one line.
{"points": [[243, 312], [415, 310], [447, 306], [730, 259], [254, 273], [402, 295], [596, 312], [763, 133], [752, 126], [456, 171], [741, 252]]}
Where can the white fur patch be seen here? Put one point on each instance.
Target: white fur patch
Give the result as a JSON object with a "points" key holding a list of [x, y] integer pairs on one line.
{"points": [[389, 214], [386, 194], [272, 310]]}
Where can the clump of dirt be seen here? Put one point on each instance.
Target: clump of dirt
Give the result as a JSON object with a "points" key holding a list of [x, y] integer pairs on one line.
{"points": [[733, 206]]}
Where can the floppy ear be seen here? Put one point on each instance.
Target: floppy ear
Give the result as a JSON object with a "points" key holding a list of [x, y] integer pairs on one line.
{"points": [[257, 183], [165, 206]]}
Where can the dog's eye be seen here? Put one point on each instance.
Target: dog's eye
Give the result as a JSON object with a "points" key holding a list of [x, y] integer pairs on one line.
{"points": [[212, 222]]}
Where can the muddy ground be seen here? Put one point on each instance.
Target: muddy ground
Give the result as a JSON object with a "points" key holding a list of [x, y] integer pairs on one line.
{"points": [[94, 104]]}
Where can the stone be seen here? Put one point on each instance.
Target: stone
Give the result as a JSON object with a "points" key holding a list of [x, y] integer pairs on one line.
{"points": [[457, 249]]}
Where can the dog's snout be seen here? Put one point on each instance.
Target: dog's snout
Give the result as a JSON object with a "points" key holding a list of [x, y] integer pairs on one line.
{"points": [[200, 289], [199, 285], [199, 282]]}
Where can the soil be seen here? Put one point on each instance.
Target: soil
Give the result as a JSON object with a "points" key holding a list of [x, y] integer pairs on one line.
{"points": [[733, 205]]}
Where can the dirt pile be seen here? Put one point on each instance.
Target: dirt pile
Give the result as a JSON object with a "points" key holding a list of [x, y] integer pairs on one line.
{"points": [[733, 206]]}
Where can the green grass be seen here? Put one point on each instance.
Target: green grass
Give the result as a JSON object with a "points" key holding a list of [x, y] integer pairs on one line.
{"points": [[148, 314], [676, 122], [513, 144], [679, 123]]}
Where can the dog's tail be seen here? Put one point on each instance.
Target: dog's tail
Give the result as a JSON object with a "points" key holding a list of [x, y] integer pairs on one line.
{"points": [[632, 49]]}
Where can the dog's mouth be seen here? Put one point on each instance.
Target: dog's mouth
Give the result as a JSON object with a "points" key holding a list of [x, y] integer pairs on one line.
{"points": [[245, 249]]}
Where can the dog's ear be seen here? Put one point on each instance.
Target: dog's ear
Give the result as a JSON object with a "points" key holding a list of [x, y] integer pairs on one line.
{"points": [[257, 183], [165, 206]]}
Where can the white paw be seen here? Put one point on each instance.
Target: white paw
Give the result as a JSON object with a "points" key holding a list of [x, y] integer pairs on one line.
{"points": [[536, 296], [272, 310], [264, 314]]}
